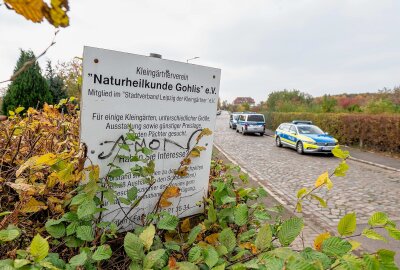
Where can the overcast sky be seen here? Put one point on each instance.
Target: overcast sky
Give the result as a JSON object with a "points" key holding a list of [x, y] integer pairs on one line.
{"points": [[316, 46]]}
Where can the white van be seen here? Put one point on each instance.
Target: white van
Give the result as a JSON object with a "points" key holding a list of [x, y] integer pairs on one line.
{"points": [[251, 123]]}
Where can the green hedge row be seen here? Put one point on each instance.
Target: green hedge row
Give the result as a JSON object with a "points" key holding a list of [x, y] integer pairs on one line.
{"points": [[375, 132]]}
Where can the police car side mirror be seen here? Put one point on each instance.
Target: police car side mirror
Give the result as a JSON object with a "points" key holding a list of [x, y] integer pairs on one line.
{"points": [[326, 133]]}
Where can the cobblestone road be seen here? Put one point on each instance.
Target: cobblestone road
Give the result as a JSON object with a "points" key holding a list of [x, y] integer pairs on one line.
{"points": [[364, 190]]}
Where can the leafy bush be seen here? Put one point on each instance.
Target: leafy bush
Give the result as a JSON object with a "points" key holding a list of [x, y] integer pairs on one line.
{"points": [[50, 218], [375, 132]]}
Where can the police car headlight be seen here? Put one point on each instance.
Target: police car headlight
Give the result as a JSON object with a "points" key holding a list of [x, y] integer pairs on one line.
{"points": [[310, 142]]}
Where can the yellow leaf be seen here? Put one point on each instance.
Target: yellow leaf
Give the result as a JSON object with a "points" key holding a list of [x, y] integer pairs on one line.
{"points": [[212, 239], [195, 153], [46, 159], [33, 206], [32, 111], [299, 207], [319, 239], [329, 184], [204, 132], [185, 226], [321, 179], [31, 9], [57, 14], [147, 236], [170, 192], [52, 180], [354, 244], [19, 109]]}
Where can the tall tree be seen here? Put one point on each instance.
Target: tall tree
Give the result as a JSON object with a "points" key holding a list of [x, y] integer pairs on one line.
{"points": [[71, 74], [29, 89], [56, 84]]}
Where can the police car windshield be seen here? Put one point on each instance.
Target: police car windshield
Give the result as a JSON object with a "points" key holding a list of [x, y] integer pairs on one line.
{"points": [[255, 118], [309, 129]]}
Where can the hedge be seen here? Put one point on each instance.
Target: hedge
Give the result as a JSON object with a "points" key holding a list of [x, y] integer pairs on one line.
{"points": [[374, 132]]}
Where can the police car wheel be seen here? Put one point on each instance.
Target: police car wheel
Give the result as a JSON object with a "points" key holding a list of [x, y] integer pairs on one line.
{"points": [[278, 142], [299, 148], [243, 133], [237, 130]]}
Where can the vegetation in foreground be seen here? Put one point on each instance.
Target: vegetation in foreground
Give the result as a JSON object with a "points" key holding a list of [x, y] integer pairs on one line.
{"points": [[49, 214]]}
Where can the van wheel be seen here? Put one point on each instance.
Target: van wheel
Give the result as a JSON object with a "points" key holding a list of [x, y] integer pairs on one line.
{"points": [[299, 148], [278, 142], [262, 134]]}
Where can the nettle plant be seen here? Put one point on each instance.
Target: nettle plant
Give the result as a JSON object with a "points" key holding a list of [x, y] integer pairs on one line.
{"points": [[236, 230]]}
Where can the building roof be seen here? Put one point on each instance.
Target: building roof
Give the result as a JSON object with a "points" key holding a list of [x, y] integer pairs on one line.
{"points": [[241, 100]]}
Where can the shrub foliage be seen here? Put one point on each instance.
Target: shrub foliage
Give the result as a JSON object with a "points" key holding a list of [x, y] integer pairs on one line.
{"points": [[375, 132]]}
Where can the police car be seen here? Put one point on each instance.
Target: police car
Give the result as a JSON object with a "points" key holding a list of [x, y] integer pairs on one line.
{"points": [[251, 123], [304, 137]]}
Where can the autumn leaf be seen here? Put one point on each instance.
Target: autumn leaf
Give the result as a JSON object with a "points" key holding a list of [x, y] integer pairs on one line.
{"points": [[212, 239], [37, 10], [204, 132], [195, 153], [182, 172], [57, 14], [185, 226], [170, 192], [33, 206], [29, 163], [322, 179], [186, 161], [319, 239], [172, 263], [22, 188], [31, 9]]}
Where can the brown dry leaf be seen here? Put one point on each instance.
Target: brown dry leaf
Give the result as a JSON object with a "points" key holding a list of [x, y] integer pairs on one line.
{"points": [[172, 263], [33, 206], [22, 188], [185, 226], [186, 161], [30, 162], [183, 171], [169, 192], [212, 239], [33, 10], [319, 239]]}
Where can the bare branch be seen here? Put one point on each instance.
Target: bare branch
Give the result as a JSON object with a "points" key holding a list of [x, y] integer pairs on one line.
{"points": [[29, 63]]}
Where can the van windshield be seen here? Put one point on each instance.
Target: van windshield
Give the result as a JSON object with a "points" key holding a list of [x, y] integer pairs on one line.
{"points": [[255, 118]]}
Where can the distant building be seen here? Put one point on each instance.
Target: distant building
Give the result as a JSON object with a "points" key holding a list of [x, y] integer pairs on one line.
{"points": [[243, 100]]}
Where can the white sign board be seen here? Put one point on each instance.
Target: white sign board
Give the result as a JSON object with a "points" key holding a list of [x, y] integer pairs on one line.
{"points": [[167, 103]]}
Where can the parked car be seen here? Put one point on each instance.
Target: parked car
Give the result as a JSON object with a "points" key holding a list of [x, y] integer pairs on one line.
{"points": [[251, 123], [233, 117], [304, 137]]}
